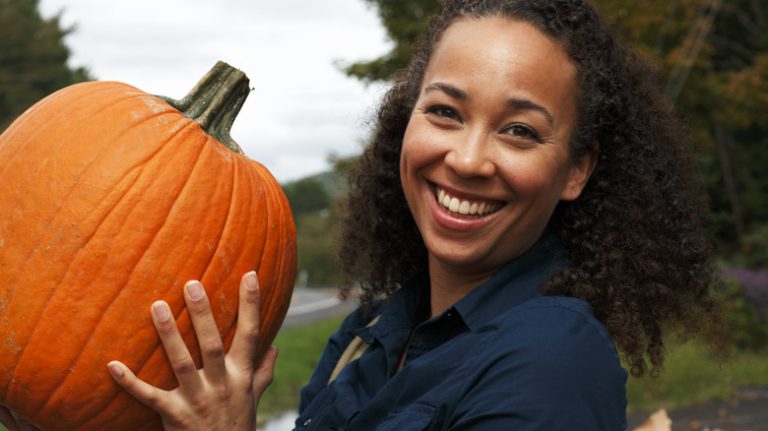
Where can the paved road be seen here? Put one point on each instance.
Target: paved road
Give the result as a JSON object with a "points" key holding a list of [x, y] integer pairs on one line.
{"points": [[309, 305], [747, 410]]}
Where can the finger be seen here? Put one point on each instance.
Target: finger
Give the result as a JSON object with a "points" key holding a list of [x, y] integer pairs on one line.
{"points": [[264, 373], [208, 337], [150, 396], [177, 352], [247, 332]]}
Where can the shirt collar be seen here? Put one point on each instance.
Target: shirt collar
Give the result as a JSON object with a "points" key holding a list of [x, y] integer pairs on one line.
{"points": [[515, 283]]}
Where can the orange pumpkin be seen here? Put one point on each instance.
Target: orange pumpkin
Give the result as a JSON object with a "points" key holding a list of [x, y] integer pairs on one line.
{"points": [[111, 198]]}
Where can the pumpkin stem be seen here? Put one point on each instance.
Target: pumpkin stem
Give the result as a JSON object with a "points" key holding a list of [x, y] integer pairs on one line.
{"points": [[215, 101]]}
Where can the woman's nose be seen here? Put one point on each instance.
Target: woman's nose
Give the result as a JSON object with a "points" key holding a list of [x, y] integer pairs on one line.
{"points": [[470, 157]]}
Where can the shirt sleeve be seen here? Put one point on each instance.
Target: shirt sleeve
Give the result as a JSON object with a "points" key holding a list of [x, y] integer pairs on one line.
{"points": [[552, 368], [335, 346]]}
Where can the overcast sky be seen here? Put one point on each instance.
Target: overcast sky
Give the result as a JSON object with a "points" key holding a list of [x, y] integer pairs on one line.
{"points": [[302, 107]]}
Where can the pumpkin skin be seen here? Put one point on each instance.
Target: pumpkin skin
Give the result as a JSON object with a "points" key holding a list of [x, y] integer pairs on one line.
{"points": [[110, 199]]}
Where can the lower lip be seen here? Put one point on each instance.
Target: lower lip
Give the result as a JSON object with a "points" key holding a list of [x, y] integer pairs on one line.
{"points": [[451, 221]]}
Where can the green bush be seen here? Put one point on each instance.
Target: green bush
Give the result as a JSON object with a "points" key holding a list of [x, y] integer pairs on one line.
{"points": [[746, 329]]}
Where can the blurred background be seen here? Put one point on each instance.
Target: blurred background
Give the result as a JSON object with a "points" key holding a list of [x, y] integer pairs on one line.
{"points": [[317, 70]]}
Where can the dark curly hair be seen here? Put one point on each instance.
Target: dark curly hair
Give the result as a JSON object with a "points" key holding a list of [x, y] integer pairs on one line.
{"points": [[641, 256]]}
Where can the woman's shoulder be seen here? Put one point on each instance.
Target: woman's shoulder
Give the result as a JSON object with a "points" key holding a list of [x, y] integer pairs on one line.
{"points": [[551, 361], [556, 315], [559, 332]]}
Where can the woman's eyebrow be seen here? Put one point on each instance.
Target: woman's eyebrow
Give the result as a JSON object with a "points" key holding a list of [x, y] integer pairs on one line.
{"points": [[516, 104], [525, 104], [447, 89]]}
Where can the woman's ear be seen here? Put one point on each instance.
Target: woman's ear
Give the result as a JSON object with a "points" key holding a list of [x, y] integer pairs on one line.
{"points": [[581, 169]]}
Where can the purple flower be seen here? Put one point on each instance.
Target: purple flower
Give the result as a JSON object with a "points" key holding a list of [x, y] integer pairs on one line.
{"points": [[754, 283]]}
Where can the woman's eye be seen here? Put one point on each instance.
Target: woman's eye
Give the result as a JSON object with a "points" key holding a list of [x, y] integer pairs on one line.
{"points": [[522, 131], [444, 112]]}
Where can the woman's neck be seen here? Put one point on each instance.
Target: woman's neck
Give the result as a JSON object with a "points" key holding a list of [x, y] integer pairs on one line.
{"points": [[449, 284]]}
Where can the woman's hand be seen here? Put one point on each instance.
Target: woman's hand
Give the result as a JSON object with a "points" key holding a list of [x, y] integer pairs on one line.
{"points": [[223, 395], [13, 422]]}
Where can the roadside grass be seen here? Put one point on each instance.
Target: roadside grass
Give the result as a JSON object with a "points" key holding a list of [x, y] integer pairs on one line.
{"points": [[692, 375], [299, 350]]}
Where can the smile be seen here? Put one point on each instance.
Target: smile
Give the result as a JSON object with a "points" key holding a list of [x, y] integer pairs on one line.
{"points": [[478, 208]]}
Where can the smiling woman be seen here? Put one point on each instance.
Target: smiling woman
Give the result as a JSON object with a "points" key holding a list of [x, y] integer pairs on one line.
{"points": [[523, 212], [502, 147], [524, 168]]}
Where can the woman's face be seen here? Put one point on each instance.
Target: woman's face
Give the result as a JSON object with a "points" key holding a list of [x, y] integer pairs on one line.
{"points": [[485, 156]]}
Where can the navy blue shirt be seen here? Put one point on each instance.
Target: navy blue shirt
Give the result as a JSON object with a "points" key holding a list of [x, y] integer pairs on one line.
{"points": [[502, 358]]}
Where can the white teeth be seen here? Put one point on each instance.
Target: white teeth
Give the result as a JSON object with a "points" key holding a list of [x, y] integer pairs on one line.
{"points": [[465, 207], [454, 206]]}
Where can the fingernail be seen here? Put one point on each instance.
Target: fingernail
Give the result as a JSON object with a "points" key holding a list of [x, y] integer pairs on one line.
{"points": [[195, 290], [115, 369], [162, 313], [251, 282]]}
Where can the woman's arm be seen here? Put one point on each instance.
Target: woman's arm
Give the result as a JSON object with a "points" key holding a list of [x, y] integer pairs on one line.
{"points": [[223, 395]]}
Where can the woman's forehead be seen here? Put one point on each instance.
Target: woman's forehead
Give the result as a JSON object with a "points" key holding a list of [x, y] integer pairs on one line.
{"points": [[504, 57]]}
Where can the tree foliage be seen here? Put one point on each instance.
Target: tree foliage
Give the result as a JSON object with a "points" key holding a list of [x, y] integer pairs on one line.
{"points": [[404, 21], [317, 219], [33, 58], [307, 195], [713, 58]]}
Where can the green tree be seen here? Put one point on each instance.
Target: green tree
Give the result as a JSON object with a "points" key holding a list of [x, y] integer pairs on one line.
{"points": [[713, 58], [307, 195], [316, 216], [404, 21], [318, 265], [33, 58]]}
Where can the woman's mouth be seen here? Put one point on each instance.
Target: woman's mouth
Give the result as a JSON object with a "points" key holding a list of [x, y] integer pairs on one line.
{"points": [[465, 207]]}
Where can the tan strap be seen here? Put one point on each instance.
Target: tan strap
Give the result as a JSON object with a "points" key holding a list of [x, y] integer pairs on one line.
{"points": [[354, 351]]}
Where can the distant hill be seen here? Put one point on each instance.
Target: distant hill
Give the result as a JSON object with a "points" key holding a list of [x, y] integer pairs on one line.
{"points": [[332, 182]]}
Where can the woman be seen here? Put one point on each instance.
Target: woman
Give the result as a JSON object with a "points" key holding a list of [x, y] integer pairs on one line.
{"points": [[524, 207]]}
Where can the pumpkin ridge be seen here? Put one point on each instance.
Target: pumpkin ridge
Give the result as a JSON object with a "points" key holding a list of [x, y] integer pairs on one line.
{"points": [[188, 128], [34, 331], [207, 147], [75, 188], [98, 158], [97, 423], [228, 331], [45, 307], [232, 189], [11, 130], [273, 297], [255, 182], [209, 293], [234, 183], [249, 178], [84, 174]]}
